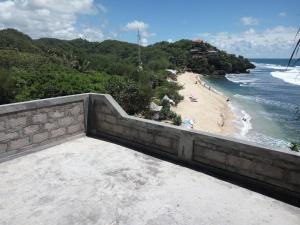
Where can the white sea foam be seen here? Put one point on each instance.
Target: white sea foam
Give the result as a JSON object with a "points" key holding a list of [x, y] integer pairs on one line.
{"points": [[263, 101], [276, 67], [240, 79], [249, 134], [243, 121], [268, 141], [246, 120], [290, 76], [273, 66]]}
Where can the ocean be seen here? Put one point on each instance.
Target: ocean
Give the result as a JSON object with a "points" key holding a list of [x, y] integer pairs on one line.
{"points": [[266, 102]]}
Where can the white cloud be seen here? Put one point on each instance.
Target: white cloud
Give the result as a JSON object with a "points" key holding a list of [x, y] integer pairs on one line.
{"points": [[273, 42], [282, 14], [50, 18], [136, 25], [249, 21], [91, 34], [170, 40], [142, 27]]}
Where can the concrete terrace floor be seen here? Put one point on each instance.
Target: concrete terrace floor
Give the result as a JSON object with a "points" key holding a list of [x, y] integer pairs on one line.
{"points": [[89, 181]]}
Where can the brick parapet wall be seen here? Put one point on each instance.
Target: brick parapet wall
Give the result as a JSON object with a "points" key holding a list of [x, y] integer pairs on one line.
{"points": [[28, 125], [269, 166], [39, 123]]}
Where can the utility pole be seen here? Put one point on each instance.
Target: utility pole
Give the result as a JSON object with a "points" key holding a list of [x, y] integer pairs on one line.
{"points": [[140, 64]]}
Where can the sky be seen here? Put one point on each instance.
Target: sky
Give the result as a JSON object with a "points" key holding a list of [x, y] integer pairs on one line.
{"points": [[254, 29]]}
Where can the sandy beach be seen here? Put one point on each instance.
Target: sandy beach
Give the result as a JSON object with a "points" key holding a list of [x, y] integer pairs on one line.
{"points": [[210, 113]]}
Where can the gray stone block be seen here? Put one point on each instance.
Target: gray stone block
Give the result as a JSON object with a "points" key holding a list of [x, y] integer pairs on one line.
{"points": [[3, 148], [270, 171], [144, 136], [105, 109], [2, 126], [66, 121], [80, 118], [17, 122], [31, 129], [117, 129], [56, 114], [8, 136], [58, 132], [240, 163], [40, 118], [104, 125], [202, 160], [50, 126], [37, 138], [110, 118], [76, 110], [111, 128], [164, 141], [19, 143], [212, 155], [294, 178], [74, 128], [130, 132]]}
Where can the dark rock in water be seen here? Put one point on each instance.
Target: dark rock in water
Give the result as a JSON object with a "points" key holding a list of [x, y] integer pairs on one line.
{"points": [[219, 73]]}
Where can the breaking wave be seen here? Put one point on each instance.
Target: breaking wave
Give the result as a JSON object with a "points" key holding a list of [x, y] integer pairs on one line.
{"points": [[268, 141], [246, 120], [240, 79], [278, 104], [290, 76]]}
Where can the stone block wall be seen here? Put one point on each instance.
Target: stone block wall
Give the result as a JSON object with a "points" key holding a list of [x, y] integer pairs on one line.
{"points": [[106, 119], [29, 125], [24, 126], [268, 166]]}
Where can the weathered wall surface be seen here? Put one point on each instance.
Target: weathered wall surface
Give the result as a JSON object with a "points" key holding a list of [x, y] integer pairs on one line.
{"points": [[24, 126], [107, 119]]}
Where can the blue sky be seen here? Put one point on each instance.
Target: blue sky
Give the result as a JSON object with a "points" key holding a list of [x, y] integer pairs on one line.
{"points": [[179, 19], [264, 28]]}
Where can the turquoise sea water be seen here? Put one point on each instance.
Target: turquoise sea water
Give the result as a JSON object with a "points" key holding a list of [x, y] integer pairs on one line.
{"points": [[268, 98]]}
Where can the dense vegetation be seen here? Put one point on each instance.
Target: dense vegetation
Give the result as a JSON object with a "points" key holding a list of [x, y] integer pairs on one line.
{"points": [[47, 67]]}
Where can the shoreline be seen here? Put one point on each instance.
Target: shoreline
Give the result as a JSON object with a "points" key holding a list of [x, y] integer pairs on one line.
{"points": [[210, 111]]}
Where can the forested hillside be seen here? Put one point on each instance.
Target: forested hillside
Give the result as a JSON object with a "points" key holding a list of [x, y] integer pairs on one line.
{"points": [[33, 69]]}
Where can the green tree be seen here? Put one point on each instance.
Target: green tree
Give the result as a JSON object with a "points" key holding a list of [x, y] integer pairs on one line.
{"points": [[128, 94], [177, 120]]}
